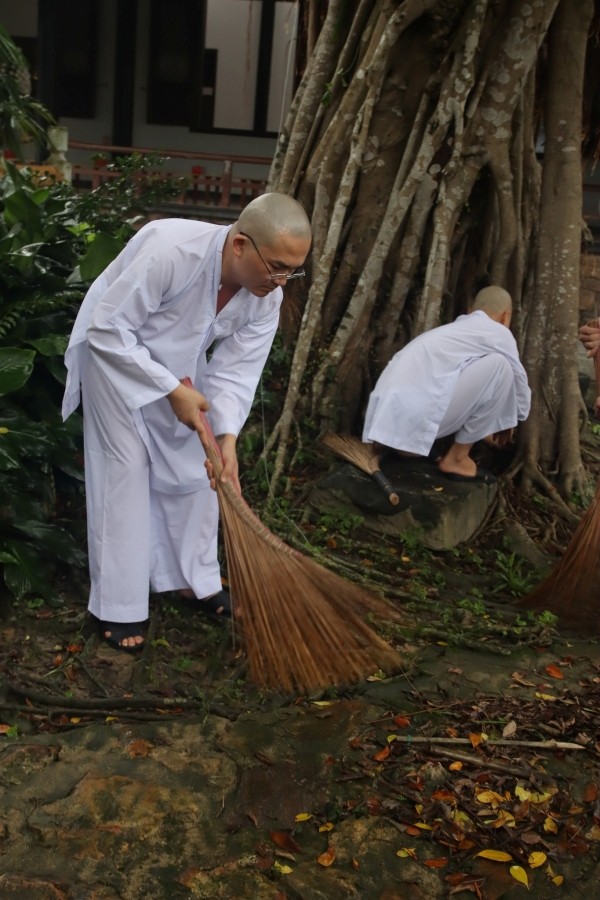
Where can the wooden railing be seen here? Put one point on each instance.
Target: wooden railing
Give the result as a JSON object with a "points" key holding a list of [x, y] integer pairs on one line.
{"points": [[216, 182]]}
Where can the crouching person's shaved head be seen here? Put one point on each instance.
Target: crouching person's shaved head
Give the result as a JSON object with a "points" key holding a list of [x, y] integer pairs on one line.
{"points": [[493, 300]]}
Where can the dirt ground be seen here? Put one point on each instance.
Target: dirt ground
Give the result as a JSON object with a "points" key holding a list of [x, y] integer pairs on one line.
{"points": [[475, 771]]}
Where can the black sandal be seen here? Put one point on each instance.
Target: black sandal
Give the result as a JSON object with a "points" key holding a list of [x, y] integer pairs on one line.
{"points": [[218, 606], [119, 631]]}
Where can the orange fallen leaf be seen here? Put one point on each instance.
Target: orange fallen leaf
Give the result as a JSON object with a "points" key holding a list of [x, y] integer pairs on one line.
{"points": [[590, 793], [285, 841], [554, 672], [436, 863], [382, 754], [139, 748], [466, 844], [325, 859], [402, 721]]}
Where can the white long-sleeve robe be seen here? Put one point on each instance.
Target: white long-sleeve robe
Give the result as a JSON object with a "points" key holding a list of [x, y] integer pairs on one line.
{"points": [[411, 397], [146, 322]]}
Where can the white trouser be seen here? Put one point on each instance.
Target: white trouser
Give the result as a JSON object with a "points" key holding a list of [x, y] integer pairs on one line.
{"points": [[138, 538], [483, 402]]}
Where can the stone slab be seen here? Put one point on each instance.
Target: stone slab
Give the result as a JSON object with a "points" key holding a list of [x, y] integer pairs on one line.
{"points": [[439, 513]]}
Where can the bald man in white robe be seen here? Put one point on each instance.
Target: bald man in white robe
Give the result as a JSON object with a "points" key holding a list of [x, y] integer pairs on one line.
{"points": [[463, 379], [178, 289]]}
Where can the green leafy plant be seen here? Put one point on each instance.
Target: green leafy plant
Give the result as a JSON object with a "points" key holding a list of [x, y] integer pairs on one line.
{"points": [[22, 117], [53, 243], [513, 578]]}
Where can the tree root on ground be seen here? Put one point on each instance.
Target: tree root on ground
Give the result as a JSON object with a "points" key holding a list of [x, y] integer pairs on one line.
{"points": [[119, 705]]}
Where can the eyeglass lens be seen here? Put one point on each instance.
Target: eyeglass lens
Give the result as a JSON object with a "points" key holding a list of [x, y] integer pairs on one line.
{"points": [[275, 276]]}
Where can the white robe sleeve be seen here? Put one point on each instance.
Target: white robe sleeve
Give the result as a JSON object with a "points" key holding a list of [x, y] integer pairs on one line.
{"points": [[230, 379], [111, 336]]}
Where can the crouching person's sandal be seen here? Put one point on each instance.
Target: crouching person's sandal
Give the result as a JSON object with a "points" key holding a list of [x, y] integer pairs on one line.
{"points": [[121, 631]]}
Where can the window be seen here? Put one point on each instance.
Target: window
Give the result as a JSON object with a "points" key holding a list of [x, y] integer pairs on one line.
{"points": [[175, 65]]}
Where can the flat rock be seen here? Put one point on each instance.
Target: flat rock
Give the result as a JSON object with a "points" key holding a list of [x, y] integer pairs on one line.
{"points": [[436, 511]]}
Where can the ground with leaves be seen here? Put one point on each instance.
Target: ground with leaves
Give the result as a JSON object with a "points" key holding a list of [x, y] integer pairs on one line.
{"points": [[473, 772]]}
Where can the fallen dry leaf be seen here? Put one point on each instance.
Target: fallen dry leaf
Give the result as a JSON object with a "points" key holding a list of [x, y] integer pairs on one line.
{"points": [[285, 841], [382, 754], [509, 729], [519, 874], [516, 676], [282, 868], [139, 748], [326, 859], [402, 721], [407, 852], [496, 855]]}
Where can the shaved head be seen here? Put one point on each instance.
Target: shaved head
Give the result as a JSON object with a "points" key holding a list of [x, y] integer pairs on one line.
{"points": [[272, 215], [493, 300]]}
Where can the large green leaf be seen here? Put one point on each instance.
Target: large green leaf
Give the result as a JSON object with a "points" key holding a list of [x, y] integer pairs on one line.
{"points": [[53, 541], [20, 208], [51, 345], [101, 252], [26, 576], [16, 366]]}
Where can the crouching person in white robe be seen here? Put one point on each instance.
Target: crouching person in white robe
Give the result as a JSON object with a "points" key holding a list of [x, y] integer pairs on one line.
{"points": [[178, 289], [463, 379]]}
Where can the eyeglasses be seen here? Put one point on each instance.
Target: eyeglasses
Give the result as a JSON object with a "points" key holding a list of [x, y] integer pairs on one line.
{"points": [[274, 276]]}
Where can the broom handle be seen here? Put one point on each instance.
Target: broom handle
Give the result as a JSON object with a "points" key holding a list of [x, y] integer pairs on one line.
{"points": [[385, 484], [207, 439]]}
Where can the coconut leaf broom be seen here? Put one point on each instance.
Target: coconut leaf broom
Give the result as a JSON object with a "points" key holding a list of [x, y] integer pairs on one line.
{"points": [[572, 589], [364, 457], [303, 626]]}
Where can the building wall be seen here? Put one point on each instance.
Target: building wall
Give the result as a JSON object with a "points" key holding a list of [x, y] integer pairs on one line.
{"points": [[233, 29]]}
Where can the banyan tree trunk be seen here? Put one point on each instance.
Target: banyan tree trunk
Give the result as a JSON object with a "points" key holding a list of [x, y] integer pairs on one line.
{"points": [[412, 143]]}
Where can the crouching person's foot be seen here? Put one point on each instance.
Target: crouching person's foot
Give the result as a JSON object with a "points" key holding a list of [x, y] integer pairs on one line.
{"points": [[126, 636]]}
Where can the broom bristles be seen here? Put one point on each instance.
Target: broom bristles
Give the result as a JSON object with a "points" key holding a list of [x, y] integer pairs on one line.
{"points": [[303, 625], [364, 457], [350, 448], [572, 589]]}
